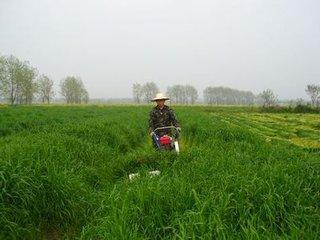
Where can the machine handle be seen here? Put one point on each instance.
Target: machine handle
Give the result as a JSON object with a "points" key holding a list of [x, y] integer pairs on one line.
{"points": [[168, 127], [176, 134]]}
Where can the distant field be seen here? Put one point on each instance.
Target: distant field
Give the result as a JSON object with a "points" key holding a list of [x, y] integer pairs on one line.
{"points": [[241, 174]]}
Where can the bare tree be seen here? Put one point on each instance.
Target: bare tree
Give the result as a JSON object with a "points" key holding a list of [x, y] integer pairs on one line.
{"points": [[137, 90], [72, 89], [45, 89], [268, 98], [314, 92]]}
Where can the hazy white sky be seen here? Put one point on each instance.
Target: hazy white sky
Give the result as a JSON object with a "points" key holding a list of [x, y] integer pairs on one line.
{"points": [[110, 44]]}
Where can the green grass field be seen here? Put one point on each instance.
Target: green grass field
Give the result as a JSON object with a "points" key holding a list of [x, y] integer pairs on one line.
{"points": [[241, 174]]}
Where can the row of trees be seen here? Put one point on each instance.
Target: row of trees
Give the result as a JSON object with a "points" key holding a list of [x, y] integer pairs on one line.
{"points": [[223, 95], [187, 94], [144, 92], [184, 94], [269, 98], [20, 83], [179, 94]]}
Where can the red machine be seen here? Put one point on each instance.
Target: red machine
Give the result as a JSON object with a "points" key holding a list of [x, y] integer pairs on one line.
{"points": [[168, 142], [165, 140]]}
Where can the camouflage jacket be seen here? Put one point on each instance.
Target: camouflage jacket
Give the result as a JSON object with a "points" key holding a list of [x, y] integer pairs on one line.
{"points": [[161, 118]]}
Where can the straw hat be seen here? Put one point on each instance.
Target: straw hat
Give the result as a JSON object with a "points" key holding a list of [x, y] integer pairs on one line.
{"points": [[160, 96]]}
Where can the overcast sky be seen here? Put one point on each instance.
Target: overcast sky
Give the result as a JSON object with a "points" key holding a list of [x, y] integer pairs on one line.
{"points": [[110, 44]]}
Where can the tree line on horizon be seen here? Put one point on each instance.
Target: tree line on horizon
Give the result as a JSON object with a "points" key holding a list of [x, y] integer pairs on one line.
{"points": [[143, 93], [21, 83], [187, 94]]}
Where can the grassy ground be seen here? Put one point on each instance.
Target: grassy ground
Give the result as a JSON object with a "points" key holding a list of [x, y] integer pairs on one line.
{"points": [[241, 174]]}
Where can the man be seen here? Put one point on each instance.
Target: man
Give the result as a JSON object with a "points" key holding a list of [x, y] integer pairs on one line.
{"points": [[161, 116]]}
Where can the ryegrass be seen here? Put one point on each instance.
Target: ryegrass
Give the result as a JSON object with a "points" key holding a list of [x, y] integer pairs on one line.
{"points": [[64, 174]]}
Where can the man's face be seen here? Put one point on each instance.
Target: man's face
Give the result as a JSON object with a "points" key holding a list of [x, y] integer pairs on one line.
{"points": [[160, 103]]}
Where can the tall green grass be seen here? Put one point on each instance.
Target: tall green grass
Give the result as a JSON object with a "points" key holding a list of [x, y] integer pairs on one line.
{"points": [[64, 174]]}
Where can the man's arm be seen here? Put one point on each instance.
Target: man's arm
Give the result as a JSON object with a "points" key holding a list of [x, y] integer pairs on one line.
{"points": [[151, 126], [174, 119]]}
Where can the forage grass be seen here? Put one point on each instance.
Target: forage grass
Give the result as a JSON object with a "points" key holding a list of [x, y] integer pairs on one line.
{"points": [[64, 174]]}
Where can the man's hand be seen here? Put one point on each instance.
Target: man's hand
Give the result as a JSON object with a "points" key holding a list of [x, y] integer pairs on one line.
{"points": [[152, 133]]}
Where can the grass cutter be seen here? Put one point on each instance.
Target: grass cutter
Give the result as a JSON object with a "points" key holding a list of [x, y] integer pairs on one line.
{"points": [[168, 141]]}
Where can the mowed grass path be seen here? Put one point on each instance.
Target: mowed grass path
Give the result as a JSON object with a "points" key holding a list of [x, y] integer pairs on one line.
{"points": [[300, 129], [64, 174]]}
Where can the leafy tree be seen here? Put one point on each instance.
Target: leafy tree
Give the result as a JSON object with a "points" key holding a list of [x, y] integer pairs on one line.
{"points": [[72, 89], [223, 95], [45, 89], [9, 83], [17, 80], [28, 84]]}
